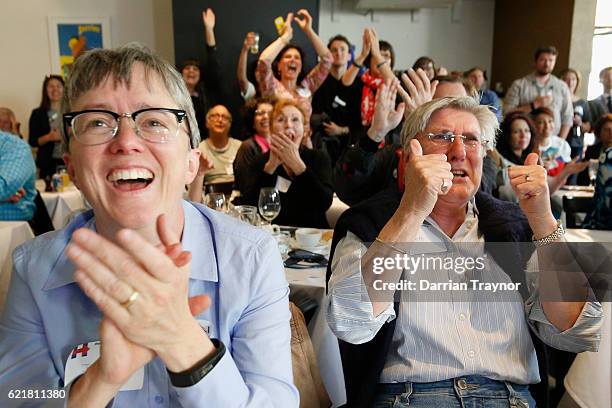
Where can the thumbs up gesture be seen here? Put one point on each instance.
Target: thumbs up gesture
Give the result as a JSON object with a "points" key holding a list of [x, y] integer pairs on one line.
{"points": [[530, 185], [426, 177]]}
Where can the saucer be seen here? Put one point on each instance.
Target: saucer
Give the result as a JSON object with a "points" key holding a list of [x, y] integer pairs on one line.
{"points": [[321, 248]]}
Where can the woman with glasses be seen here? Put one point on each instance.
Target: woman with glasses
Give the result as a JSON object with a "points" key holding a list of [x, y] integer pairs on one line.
{"points": [[280, 71], [115, 309], [302, 176], [45, 123]]}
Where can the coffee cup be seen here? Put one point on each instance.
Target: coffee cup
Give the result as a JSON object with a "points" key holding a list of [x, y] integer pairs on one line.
{"points": [[307, 237]]}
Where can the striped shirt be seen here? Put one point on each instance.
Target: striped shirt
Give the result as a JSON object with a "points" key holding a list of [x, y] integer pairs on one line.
{"points": [[467, 334]]}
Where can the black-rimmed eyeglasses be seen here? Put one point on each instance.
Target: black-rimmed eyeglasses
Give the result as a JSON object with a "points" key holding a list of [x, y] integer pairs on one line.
{"points": [[98, 126]]}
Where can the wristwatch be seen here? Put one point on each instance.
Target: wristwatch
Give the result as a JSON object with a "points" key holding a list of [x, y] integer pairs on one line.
{"points": [[195, 374], [555, 235]]}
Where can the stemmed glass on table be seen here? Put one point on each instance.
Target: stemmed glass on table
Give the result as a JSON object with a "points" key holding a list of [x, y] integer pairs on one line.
{"points": [[269, 203]]}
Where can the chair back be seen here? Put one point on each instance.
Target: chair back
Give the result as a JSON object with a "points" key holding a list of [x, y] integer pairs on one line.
{"points": [[41, 221], [306, 374], [574, 205]]}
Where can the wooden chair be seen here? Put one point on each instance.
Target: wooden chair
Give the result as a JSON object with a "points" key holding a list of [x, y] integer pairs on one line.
{"points": [[306, 374]]}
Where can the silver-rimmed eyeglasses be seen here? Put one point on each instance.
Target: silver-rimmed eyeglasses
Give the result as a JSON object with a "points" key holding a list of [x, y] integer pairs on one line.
{"points": [[470, 142], [98, 126]]}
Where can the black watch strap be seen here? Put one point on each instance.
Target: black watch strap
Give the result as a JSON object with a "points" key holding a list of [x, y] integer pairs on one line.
{"points": [[195, 374]]}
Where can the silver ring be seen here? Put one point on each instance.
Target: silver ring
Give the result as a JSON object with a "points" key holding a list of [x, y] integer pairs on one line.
{"points": [[528, 178], [444, 187], [130, 300]]}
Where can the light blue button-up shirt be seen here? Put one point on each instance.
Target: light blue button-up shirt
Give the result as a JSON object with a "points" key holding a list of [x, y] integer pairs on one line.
{"points": [[238, 266]]}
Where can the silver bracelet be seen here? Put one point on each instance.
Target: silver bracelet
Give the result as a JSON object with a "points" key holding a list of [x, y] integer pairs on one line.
{"points": [[554, 236]]}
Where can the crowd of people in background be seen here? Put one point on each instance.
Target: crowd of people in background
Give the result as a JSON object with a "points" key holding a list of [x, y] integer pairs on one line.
{"points": [[416, 155], [343, 145]]}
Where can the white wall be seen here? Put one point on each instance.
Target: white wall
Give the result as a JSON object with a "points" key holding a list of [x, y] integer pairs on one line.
{"points": [[25, 40], [456, 45], [25, 43]]}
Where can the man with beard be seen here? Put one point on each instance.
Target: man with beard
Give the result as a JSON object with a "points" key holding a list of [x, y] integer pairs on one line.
{"points": [[542, 89]]}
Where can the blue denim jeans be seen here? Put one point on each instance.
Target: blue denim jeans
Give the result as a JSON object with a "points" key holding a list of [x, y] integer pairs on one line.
{"points": [[470, 391]]}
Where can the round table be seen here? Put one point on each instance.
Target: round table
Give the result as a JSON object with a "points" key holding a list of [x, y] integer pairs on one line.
{"points": [[60, 205], [12, 234]]}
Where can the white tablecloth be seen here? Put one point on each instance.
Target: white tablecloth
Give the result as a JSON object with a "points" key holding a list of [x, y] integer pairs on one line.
{"points": [[311, 282], [589, 380], [12, 234], [573, 193], [60, 205]]}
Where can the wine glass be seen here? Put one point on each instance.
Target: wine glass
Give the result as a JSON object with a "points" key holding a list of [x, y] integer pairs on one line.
{"points": [[216, 201], [593, 167], [269, 203]]}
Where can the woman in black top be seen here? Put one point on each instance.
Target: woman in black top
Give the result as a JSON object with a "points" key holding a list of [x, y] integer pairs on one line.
{"points": [[303, 176], [253, 150], [45, 124], [517, 138]]}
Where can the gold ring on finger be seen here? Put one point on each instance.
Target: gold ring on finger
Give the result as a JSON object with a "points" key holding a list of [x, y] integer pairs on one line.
{"points": [[135, 294], [528, 178]]}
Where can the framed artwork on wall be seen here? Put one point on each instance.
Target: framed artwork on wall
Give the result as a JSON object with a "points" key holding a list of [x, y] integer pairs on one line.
{"points": [[69, 37]]}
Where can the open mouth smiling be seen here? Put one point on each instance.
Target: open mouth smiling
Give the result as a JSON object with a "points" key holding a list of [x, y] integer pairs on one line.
{"points": [[132, 179]]}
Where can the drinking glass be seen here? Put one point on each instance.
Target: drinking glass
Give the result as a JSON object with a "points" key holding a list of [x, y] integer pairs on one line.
{"points": [[246, 213], [255, 47], [269, 203], [593, 167], [216, 201]]}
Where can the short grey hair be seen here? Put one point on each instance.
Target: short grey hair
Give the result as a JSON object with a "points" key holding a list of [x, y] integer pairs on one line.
{"points": [[418, 120], [94, 67]]}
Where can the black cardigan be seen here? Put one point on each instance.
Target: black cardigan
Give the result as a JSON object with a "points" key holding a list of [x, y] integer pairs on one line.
{"points": [[308, 197], [500, 221], [364, 169]]}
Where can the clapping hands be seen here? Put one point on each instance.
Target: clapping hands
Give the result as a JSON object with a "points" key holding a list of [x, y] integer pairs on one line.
{"points": [[417, 89], [304, 20], [386, 115]]}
